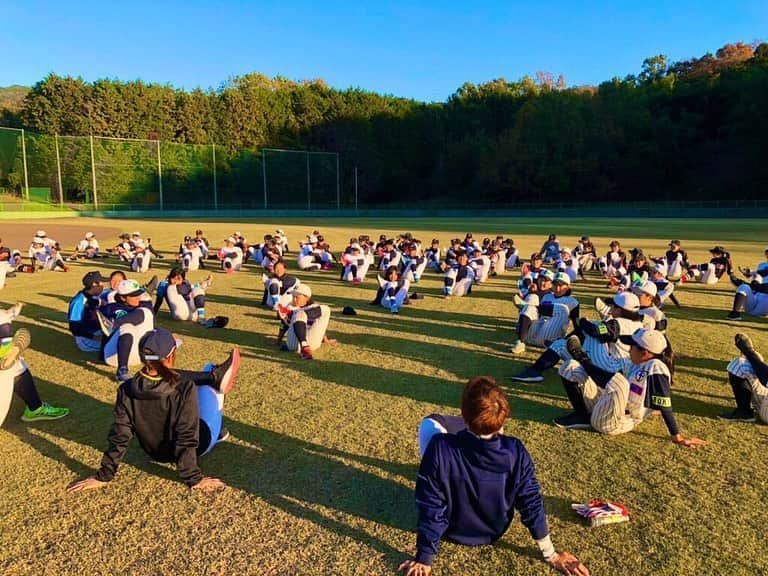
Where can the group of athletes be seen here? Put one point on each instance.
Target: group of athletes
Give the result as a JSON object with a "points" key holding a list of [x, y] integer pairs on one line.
{"points": [[616, 371]]}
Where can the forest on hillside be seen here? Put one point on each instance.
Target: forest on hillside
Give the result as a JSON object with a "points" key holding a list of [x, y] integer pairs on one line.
{"points": [[689, 130]]}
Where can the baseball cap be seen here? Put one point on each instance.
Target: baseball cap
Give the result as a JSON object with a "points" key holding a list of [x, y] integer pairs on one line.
{"points": [[659, 268], [93, 277], [675, 243], [237, 234], [719, 249], [279, 231], [547, 274], [626, 301], [37, 240], [562, 278], [135, 233], [564, 249], [304, 290], [584, 238], [312, 239], [156, 344], [230, 239], [40, 234], [129, 288], [355, 246], [646, 287], [89, 235], [652, 340]]}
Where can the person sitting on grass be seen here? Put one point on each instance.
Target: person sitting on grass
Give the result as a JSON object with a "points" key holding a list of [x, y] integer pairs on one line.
{"points": [[748, 376], [15, 372], [471, 480], [175, 415], [304, 323], [82, 312]]}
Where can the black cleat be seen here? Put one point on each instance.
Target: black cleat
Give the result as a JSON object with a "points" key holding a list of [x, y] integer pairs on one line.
{"points": [[573, 421], [528, 375], [573, 345], [734, 315], [738, 416]]}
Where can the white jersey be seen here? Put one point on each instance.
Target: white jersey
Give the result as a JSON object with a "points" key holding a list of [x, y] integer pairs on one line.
{"points": [[84, 245], [649, 378], [653, 318]]}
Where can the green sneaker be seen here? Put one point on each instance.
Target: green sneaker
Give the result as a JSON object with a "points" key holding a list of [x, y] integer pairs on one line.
{"points": [[45, 412]]}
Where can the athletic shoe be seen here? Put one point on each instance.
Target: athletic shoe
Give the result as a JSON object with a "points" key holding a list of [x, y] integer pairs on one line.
{"points": [[104, 323], [21, 340], [738, 416], [528, 375], [573, 421], [223, 435], [216, 322], [518, 348], [123, 374], [734, 315], [306, 353], [151, 286], [745, 346], [284, 347], [45, 412], [518, 301], [226, 372], [205, 284], [415, 296], [602, 308], [573, 345]]}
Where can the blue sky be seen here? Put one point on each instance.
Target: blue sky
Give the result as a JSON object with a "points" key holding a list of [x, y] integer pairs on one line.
{"points": [[422, 50]]}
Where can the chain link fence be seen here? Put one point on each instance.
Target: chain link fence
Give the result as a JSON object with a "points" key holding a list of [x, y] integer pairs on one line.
{"points": [[93, 172]]}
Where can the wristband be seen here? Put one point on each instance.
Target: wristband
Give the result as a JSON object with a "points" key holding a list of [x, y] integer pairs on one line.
{"points": [[547, 548]]}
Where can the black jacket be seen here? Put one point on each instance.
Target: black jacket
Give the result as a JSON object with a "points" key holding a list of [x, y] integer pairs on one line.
{"points": [[165, 420]]}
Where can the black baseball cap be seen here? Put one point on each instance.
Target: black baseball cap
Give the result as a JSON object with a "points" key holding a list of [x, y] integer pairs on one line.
{"points": [[94, 277], [156, 344], [675, 243], [718, 249]]}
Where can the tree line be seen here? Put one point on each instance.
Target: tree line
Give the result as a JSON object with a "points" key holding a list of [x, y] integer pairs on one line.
{"points": [[689, 130]]}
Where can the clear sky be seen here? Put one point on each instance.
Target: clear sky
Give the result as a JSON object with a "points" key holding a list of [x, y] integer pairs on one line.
{"points": [[422, 50]]}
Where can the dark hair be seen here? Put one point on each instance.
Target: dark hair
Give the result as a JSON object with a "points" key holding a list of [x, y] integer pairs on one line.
{"points": [[117, 273], [484, 406], [167, 374], [389, 272], [628, 314], [177, 271]]}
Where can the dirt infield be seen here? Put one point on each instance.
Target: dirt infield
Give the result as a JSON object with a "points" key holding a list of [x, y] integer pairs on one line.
{"points": [[19, 234]]}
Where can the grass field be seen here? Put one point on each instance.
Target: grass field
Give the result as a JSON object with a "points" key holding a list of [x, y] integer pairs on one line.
{"points": [[323, 458]]}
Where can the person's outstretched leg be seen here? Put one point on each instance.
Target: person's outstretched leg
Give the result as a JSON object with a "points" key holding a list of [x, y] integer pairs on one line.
{"points": [[35, 409]]}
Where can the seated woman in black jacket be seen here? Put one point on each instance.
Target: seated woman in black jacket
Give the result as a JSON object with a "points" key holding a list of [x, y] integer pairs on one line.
{"points": [[175, 415]]}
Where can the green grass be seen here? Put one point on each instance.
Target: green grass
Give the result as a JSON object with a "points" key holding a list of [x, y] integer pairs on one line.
{"points": [[323, 458]]}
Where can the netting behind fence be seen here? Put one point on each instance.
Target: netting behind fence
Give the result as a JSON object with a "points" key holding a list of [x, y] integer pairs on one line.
{"points": [[123, 173]]}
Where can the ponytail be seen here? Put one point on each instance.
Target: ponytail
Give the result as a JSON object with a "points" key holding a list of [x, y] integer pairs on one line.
{"points": [[167, 374], [668, 358], [657, 301]]}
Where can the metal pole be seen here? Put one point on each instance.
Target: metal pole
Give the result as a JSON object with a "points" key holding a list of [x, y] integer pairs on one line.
{"points": [[93, 175], [338, 189], [159, 174], [24, 162], [355, 187], [309, 188], [264, 172], [58, 170], [215, 189]]}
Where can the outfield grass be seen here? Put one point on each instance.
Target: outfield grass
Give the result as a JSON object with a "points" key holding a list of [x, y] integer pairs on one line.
{"points": [[323, 458]]}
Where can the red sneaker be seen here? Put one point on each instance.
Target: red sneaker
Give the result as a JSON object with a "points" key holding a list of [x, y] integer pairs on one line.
{"points": [[306, 353]]}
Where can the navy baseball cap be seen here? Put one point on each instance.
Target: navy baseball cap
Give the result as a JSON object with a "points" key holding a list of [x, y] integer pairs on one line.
{"points": [[156, 344], [94, 277]]}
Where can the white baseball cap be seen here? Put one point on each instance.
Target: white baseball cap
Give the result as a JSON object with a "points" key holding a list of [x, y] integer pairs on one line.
{"points": [[355, 246], [135, 233], [230, 240], [626, 301], [89, 235], [279, 231], [652, 340], [659, 268], [304, 290], [129, 288], [563, 278], [312, 239], [40, 234], [646, 287]]}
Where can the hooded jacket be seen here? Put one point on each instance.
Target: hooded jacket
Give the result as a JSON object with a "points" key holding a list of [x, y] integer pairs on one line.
{"points": [[468, 489], [165, 420]]}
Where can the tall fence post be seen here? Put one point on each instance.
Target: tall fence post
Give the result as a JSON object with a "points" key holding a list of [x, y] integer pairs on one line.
{"points": [[24, 163], [159, 174], [264, 173], [309, 187], [215, 188], [355, 188], [93, 174], [338, 187], [58, 171]]}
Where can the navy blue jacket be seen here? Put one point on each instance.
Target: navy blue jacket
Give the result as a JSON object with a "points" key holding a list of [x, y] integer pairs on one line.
{"points": [[468, 490]]}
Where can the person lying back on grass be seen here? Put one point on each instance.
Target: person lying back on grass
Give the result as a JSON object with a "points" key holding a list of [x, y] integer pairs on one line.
{"points": [[471, 480]]}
